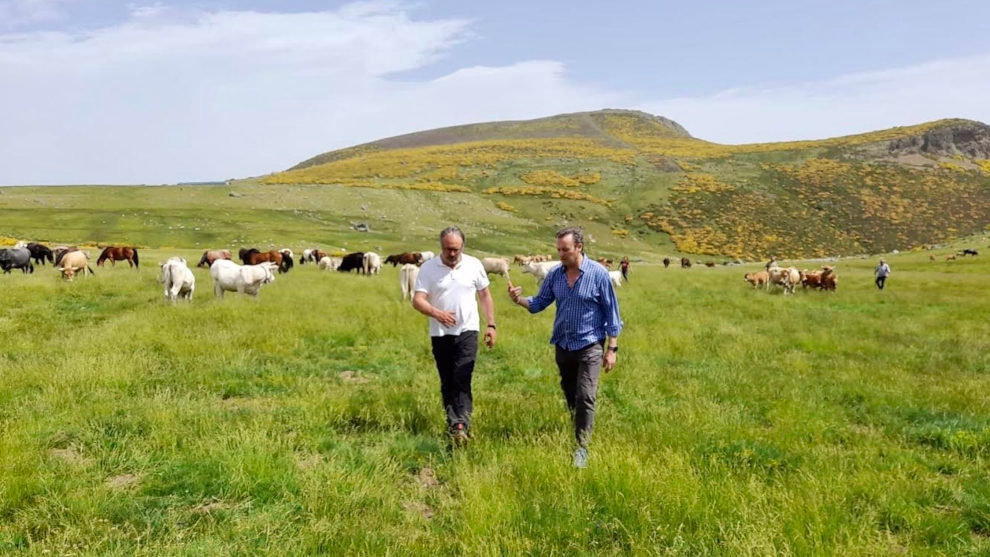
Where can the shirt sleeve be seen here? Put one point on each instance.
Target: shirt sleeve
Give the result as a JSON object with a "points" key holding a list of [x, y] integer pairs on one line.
{"points": [[544, 297], [610, 308], [481, 282], [421, 285]]}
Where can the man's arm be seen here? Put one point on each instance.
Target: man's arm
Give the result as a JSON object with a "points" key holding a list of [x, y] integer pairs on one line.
{"points": [[613, 323], [488, 308], [538, 303]]}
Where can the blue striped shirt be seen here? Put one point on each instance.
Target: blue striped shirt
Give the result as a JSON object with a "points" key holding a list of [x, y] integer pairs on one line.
{"points": [[586, 312]]}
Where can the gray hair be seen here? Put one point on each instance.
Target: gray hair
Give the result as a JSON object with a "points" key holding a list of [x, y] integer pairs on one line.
{"points": [[452, 230], [575, 232]]}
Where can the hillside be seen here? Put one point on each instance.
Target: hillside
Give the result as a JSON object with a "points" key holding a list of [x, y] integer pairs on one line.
{"points": [[639, 175]]}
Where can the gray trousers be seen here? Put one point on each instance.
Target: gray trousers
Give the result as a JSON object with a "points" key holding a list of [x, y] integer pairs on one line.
{"points": [[579, 371]]}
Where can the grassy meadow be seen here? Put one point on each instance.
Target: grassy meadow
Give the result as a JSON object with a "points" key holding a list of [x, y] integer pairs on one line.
{"points": [[309, 421]]}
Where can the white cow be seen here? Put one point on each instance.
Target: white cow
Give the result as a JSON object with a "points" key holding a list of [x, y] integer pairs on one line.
{"points": [[246, 279], [616, 278], [427, 255], [540, 270], [407, 279], [788, 278], [178, 279], [372, 263], [328, 263], [496, 265]]}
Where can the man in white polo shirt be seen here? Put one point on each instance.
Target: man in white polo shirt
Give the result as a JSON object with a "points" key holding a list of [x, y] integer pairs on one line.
{"points": [[445, 292]]}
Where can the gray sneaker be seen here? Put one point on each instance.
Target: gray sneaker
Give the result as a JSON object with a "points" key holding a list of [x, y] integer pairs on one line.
{"points": [[581, 458]]}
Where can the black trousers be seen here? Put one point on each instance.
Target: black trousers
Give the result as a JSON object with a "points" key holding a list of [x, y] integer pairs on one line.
{"points": [[455, 356], [881, 281], [579, 372]]}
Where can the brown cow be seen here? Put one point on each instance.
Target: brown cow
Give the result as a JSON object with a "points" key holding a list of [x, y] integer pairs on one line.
{"points": [[666, 262], [811, 278], [607, 263], [407, 258], [709, 264], [829, 280], [685, 263]]}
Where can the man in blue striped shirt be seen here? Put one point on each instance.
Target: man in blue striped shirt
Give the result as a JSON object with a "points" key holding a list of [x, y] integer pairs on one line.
{"points": [[587, 320]]}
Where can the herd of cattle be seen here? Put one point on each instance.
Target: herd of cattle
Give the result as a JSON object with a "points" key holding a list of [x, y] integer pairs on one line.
{"points": [[259, 267]]}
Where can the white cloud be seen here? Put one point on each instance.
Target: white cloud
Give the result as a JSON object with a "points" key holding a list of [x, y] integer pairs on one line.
{"points": [[14, 13], [854, 103], [172, 96]]}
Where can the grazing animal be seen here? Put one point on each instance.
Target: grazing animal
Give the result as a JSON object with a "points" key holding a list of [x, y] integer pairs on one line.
{"points": [[73, 262], [685, 263], [16, 258], [209, 256], [539, 269], [351, 262], [950, 257], [40, 253], [616, 278], [624, 267], [666, 262], [407, 258], [251, 256], [328, 263], [407, 279], [967, 251], [372, 263], [62, 250], [788, 278], [931, 258], [607, 263], [245, 279], [119, 253], [811, 278], [496, 265], [179, 281], [312, 255], [520, 259], [709, 264], [829, 279], [426, 255], [757, 279]]}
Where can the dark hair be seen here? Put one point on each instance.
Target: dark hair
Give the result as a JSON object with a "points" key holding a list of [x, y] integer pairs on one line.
{"points": [[575, 232], [452, 230]]}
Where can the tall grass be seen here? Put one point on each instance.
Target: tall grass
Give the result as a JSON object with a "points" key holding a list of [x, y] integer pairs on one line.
{"points": [[309, 421]]}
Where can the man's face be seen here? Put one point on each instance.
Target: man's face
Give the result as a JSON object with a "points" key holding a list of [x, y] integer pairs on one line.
{"points": [[568, 251], [450, 252]]}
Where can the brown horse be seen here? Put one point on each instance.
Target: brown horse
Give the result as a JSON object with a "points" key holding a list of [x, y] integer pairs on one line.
{"points": [[210, 256], [119, 253], [252, 256]]}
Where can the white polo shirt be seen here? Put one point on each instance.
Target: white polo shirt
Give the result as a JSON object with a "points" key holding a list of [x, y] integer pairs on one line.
{"points": [[453, 290]]}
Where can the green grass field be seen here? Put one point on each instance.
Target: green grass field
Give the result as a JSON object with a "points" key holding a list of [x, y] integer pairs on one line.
{"points": [[309, 421]]}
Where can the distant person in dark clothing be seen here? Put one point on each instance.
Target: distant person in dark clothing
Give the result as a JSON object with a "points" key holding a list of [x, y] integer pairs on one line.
{"points": [[881, 273]]}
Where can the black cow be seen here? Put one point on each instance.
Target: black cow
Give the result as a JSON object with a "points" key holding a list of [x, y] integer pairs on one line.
{"points": [[40, 253], [351, 262]]}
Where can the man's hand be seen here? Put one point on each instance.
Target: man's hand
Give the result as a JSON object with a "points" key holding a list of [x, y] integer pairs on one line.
{"points": [[446, 318], [610, 358], [515, 293], [491, 335]]}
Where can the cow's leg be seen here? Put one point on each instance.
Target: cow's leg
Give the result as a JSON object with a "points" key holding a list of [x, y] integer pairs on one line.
{"points": [[218, 290]]}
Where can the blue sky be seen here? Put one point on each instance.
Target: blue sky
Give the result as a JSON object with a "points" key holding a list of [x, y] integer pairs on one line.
{"points": [[130, 92]]}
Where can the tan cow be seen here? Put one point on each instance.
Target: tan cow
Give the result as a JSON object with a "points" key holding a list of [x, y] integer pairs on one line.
{"points": [[74, 261], [496, 265], [788, 278], [757, 279]]}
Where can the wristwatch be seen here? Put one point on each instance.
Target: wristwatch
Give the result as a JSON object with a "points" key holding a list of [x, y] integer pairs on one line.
{"points": [[613, 349]]}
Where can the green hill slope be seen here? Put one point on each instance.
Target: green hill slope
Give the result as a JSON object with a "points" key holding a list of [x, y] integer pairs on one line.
{"points": [[639, 175]]}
